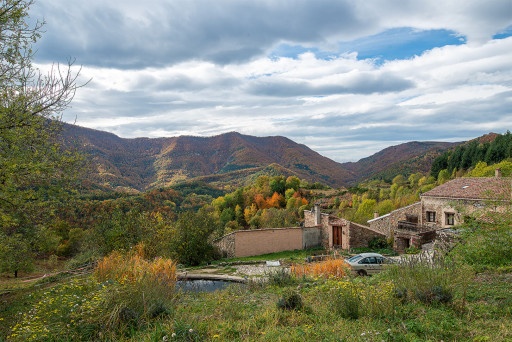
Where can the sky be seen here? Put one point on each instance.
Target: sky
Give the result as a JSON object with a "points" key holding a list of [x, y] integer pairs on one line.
{"points": [[346, 78]]}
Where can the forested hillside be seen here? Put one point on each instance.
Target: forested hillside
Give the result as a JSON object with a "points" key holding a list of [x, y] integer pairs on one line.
{"points": [[491, 148], [407, 158], [234, 160], [227, 159]]}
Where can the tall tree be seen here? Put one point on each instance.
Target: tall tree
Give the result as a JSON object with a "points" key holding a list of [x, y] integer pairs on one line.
{"points": [[33, 165]]}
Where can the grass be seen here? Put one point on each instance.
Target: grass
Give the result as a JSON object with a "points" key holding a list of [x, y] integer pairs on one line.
{"points": [[286, 256], [332, 309]]}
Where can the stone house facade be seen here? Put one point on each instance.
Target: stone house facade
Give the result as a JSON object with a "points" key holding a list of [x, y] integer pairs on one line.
{"points": [[337, 232], [402, 226], [448, 204], [444, 207]]}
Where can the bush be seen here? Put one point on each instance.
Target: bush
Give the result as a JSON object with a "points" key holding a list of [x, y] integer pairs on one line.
{"points": [[191, 242], [280, 277], [134, 269], [427, 280], [352, 299], [412, 250], [485, 245], [82, 259], [133, 292], [378, 243], [290, 300], [336, 268], [347, 301]]}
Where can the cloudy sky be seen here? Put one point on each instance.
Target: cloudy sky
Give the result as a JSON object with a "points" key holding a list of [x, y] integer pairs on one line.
{"points": [[347, 78]]}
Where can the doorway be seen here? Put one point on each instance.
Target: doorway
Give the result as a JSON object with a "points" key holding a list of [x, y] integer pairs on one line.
{"points": [[337, 232]]}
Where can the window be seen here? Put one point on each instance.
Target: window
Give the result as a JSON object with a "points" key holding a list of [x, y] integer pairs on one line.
{"points": [[431, 216], [368, 261], [355, 258], [450, 219], [411, 218]]}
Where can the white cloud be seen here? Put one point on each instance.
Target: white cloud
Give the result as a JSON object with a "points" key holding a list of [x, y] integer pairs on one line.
{"points": [[165, 68]]}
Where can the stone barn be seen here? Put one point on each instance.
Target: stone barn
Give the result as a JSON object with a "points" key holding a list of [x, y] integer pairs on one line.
{"points": [[337, 232]]}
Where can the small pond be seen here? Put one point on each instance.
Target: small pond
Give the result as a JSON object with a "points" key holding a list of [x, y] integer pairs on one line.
{"points": [[200, 285]]}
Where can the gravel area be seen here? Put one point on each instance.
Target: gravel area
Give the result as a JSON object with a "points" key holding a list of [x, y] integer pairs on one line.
{"points": [[250, 270]]}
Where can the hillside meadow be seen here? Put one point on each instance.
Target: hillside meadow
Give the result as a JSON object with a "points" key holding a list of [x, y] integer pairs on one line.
{"points": [[129, 297]]}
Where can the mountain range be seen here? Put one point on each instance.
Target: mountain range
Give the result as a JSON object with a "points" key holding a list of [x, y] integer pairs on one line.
{"points": [[233, 158]]}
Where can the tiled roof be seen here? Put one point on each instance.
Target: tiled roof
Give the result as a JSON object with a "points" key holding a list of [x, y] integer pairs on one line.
{"points": [[474, 188]]}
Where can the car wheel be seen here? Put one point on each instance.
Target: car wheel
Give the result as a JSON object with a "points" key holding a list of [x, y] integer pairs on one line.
{"points": [[362, 273]]}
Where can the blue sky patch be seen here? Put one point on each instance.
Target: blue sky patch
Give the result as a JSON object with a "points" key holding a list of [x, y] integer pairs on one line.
{"points": [[399, 43], [503, 34]]}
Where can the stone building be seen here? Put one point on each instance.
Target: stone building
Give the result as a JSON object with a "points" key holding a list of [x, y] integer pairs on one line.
{"points": [[448, 204], [337, 232], [444, 207]]}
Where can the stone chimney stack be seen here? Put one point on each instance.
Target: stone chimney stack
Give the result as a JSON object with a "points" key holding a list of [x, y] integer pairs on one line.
{"points": [[497, 173], [375, 214], [318, 219]]}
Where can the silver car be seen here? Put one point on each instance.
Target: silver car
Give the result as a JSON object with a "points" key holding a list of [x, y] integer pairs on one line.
{"points": [[368, 263]]}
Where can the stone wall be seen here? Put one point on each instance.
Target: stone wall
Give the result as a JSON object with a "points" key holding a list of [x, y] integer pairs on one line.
{"points": [[310, 221], [242, 243], [226, 245], [263, 241], [359, 235], [311, 237], [387, 224], [353, 234]]}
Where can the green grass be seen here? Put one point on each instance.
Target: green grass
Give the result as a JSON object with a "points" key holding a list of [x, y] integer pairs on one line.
{"points": [[251, 313], [289, 256]]}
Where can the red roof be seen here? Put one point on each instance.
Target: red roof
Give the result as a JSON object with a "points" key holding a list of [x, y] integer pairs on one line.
{"points": [[474, 188]]}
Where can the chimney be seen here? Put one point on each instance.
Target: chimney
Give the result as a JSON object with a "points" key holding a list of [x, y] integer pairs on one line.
{"points": [[375, 214], [497, 173], [318, 219]]}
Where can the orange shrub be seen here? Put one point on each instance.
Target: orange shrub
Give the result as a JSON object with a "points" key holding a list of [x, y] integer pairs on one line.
{"points": [[133, 268], [330, 268]]}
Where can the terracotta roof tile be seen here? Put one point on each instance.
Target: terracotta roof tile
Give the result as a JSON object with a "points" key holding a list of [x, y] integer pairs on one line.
{"points": [[473, 188]]}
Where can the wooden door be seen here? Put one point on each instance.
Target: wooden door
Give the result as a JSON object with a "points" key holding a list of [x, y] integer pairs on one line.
{"points": [[336, 235]]}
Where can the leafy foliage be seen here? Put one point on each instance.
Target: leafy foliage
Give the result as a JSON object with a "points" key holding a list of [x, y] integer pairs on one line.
{"points": [[36, 173], [469, 155], [190, 245], [290, 300]]}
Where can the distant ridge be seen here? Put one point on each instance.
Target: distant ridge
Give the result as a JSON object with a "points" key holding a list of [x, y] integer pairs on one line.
{"points": [[406, 158], [234, 159], [144, 163]]}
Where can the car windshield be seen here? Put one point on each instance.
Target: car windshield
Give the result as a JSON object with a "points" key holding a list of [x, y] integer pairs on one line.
{"points": [[355, 258]]}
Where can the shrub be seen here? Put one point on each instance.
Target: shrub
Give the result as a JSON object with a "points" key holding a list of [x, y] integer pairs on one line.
{"points": [[412, 250], [191, 244], [133, 268], [428, 280], [377, 243], [52, 261], [290, 300], [336, 268], [357, 299], [134, 290], [280, 277], [485, 245], [81, 260]]}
